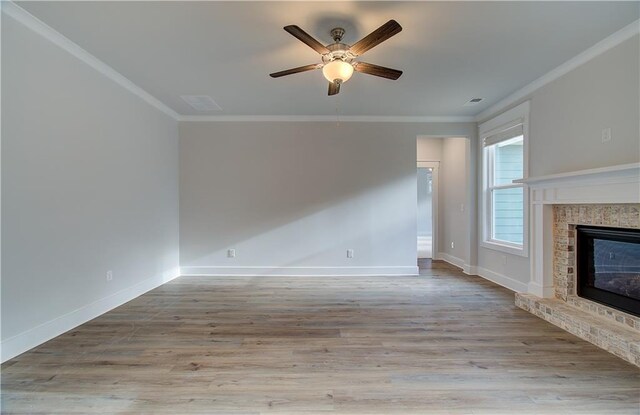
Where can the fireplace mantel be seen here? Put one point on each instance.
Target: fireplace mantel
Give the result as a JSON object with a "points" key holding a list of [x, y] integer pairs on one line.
{"points": [[610, 171], [607, 185], [615, 184]]}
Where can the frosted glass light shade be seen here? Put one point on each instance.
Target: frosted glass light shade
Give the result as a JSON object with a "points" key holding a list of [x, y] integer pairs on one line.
{"points": [[337, 70]]}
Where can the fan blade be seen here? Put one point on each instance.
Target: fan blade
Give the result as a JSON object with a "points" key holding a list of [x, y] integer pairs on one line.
{"points": [[376, 37], [296, 70], [376, 70], [334, 88], [307, 39]]}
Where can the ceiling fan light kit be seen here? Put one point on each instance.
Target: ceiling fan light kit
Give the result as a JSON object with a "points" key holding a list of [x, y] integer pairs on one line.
{"points": [[339, 59], [337, 71]]}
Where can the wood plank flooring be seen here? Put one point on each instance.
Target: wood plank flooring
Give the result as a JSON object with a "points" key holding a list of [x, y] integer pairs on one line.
{"points": [[439, 343]]}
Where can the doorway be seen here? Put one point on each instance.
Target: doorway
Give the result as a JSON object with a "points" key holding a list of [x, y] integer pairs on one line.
{"points": [[427, 209]]}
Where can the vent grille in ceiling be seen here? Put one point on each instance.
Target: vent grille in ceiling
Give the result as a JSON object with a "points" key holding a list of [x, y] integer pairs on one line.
{"points": [[473, 101], [201, 102]]}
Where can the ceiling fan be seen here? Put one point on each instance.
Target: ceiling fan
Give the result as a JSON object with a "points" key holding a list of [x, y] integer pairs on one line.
{"points": [[339, 59]]}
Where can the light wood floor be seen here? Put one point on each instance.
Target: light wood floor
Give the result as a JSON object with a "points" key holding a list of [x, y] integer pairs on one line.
{"points": [[438, 343]]}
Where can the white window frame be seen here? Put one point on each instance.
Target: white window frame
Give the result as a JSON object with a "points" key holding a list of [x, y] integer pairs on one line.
{"points": [[488, 129]]}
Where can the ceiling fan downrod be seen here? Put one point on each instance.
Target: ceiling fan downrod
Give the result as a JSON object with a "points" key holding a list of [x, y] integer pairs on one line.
{"points": [[337, 33]]}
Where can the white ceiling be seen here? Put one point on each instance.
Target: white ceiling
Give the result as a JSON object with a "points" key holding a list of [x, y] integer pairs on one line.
{"points": [[449, 51]]}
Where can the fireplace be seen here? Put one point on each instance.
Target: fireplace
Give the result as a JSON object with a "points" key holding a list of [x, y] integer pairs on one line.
{"points": [[605, 198], [608, 266]]}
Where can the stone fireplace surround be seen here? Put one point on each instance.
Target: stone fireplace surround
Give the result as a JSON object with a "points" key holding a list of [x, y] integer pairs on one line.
{"points": [[599, 197]]}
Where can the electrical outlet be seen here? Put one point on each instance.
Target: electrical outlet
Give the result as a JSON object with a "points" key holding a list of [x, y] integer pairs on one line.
{"points": [[453, 245], [606, 135], [461, 207], [504, 260], [109, 275], [231, 253], [349, 253]]}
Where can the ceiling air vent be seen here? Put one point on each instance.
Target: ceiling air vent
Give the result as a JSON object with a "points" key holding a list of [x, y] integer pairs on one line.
{"points": [[473, 101], [201, 102]]}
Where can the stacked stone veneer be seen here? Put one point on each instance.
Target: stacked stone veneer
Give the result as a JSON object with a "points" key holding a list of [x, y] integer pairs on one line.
{"points": [[608, 328]]}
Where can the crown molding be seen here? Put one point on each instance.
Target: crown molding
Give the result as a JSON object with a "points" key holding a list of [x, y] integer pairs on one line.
{"points": [[38, 26], [19, 14], [604, 45], [324, 118]]}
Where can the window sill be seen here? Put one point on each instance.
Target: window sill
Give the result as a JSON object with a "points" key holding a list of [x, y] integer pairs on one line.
{"points": [[506, 248]]}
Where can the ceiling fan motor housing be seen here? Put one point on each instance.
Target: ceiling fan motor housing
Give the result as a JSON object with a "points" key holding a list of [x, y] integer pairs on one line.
{"points": [[338, 51], [337, 33]]}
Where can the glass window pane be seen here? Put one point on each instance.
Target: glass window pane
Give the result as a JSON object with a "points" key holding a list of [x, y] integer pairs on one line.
{"points": [[508, 209], [508, 161]]}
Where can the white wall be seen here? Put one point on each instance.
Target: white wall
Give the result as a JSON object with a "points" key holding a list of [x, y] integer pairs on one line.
{"points": [[298, 195], [566, 120], [89, 184]]}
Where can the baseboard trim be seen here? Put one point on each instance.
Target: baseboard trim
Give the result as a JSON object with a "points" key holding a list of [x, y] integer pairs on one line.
{"points": [[487, 274], [214, 271], [454, 260], [503, 280], [33, 337]]}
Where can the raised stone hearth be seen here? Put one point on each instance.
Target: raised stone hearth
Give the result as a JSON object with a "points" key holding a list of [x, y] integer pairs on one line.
{"points": [[603, 197], [622, 341]]}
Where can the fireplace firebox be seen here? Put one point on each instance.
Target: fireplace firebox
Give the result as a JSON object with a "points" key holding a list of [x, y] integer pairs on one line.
{"points": [[608, 266]]}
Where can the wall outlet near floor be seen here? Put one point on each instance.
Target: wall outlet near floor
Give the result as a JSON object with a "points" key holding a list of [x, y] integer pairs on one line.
{"points": [[504, 260], [453, 245], [109, 275], [231, 253], [606, 135], [349, 253]]}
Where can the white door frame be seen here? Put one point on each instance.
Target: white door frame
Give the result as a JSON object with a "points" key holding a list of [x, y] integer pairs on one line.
{"points": [[435, 166]]}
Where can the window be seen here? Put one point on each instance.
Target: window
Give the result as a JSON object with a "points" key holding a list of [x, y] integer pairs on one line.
{"points": [[505, 202]]}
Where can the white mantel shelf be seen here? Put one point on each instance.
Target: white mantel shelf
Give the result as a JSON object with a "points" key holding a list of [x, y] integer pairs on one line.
{"points": [[631, 170], [614, 184], [611, 171]]}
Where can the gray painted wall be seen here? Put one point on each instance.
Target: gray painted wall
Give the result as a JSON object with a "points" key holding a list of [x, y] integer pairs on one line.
{"points": [[568, 115], [429, 148], [89, 184], [565, 128], [300, 194], [454, 220]]}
